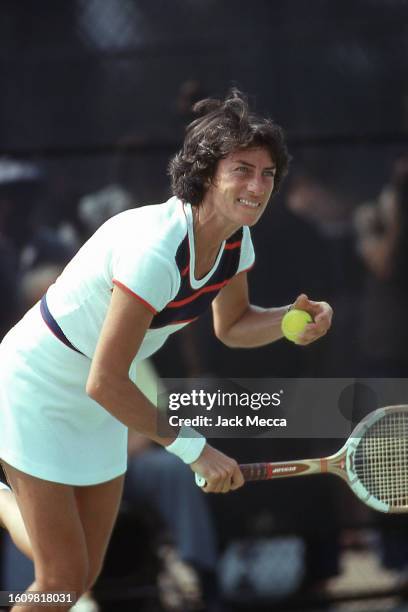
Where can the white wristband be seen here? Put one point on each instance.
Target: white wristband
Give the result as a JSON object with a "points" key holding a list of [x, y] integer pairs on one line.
{"points": [[188, 445]]}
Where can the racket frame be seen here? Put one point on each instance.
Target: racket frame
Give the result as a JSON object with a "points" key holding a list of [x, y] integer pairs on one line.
{"points": [[341, 464]]}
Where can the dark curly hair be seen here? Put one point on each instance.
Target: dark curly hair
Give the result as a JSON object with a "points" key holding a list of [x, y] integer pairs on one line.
{"points": [[222, 127]]}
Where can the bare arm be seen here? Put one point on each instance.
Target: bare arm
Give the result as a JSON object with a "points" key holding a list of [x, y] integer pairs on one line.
{"points": [[237, 323], [108, 383]]}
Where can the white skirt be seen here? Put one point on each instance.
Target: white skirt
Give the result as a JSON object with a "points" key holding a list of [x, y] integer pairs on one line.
{"points": [[49, 427]]}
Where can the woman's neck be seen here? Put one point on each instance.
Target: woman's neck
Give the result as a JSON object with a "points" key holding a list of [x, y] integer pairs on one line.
{"points": [[208, 239], [209, 230]]}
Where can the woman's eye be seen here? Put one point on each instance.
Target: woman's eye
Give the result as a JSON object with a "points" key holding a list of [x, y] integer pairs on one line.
{"points": [[242, 169]]}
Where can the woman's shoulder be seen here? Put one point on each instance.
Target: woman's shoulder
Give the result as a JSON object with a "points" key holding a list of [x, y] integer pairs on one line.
{"points": [[153, 220], [155, 229]]}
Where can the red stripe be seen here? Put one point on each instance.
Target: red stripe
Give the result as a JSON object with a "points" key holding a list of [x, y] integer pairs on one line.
{"points": [[269, 470], [175, 323], [122, 286], [183, 321], [232, 245], [197, 294], [186, 269]]}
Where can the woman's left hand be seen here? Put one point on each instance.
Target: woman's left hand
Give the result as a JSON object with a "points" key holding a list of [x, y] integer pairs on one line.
{"points": [[322, 314]]}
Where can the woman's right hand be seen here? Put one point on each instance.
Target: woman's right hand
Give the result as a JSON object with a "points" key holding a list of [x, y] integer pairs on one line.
{"points": [[221, 473]]}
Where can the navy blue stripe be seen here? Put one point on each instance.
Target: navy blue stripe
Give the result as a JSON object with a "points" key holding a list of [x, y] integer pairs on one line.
{"points": [[182, 254], [227, 268], [53, 325]]}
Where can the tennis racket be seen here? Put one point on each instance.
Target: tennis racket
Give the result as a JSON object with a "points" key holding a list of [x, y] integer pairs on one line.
{"points": [[373, 462]]}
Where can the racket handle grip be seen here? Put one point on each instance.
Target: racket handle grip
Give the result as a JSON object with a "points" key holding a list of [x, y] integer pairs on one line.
{"points": [[200, 481], [250, 471]]}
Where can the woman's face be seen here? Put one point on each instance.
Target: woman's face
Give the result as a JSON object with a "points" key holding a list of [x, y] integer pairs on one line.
{"points": [[241, 187]]}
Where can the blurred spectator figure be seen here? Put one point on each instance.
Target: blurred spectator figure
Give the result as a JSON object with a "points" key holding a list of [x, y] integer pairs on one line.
{"points": [[310, 198], [329, 210], [96, 208], [25, 242], [35, 282], [19, 185], [325, 205], [23, 197], [382, 233]]}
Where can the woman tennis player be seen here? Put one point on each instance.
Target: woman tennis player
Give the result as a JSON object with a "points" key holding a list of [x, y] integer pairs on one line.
{"points": [[68, 368]]}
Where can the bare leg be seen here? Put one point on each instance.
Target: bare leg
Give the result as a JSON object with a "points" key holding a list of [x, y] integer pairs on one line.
{"points": [[11, 519], [51, 518], [98, 506]]}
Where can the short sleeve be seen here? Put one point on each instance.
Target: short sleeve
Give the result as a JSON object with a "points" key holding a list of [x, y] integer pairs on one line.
{"points": [[147, 275], [247, 258]]}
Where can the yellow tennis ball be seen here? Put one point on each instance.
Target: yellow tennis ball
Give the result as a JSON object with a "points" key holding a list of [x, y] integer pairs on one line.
{"points": [[294, 322]]}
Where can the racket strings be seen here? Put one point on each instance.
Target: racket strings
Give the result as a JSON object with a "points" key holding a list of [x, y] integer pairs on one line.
{"points": [[381, 459]]}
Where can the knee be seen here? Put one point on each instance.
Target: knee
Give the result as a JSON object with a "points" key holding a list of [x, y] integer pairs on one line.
{"points": [[72, 578], [70, 584]]}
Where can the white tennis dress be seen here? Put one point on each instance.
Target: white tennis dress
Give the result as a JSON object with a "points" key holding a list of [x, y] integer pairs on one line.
{"points": [[49, 427]]}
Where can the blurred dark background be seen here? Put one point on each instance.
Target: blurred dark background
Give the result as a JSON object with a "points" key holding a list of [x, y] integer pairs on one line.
{"points": [[88, 72], [95, 95]]}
